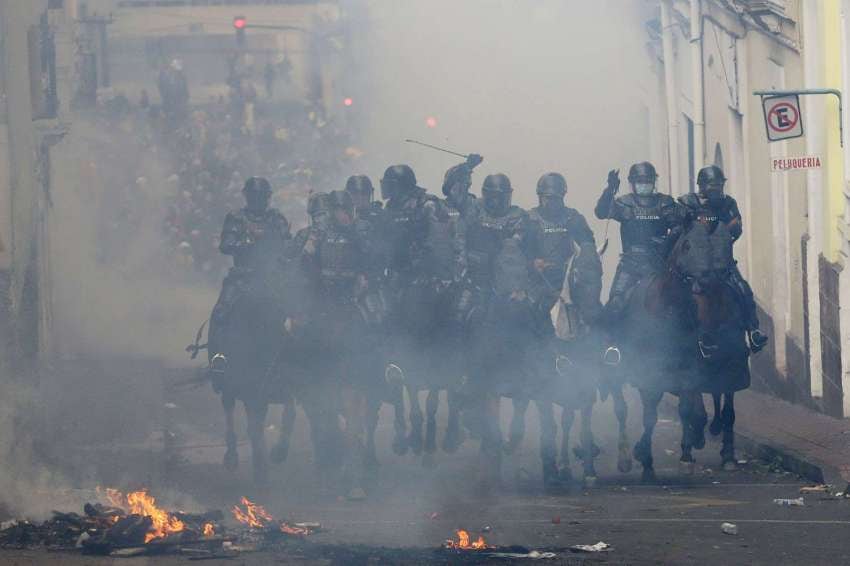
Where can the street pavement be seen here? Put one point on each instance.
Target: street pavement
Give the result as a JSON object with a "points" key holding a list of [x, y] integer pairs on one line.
{"points": [[677, 521]]}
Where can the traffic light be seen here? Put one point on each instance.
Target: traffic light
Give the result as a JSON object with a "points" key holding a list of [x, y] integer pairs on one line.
{"points": [[239, 24]]}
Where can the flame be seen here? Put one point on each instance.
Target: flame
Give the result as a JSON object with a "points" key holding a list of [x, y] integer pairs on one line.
{"points": [[140, 503], [463, 543], [255, 516], [296, 531], [209, 530], [163, 523]]}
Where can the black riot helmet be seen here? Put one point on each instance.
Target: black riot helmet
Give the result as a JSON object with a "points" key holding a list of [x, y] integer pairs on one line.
{"points": [[642, 177], [258, 193], [460, 175], [319, 208], [361, 190], [711, 181], [551, 189], [397, 181], [317, 203], [496, 194], [342, 207]]}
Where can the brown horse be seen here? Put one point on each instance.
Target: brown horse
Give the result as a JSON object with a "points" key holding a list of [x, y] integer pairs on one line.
{"points": [[701, 260]]}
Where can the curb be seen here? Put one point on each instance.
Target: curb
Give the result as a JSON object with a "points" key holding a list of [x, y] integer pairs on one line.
{"points": [[788, 459]]}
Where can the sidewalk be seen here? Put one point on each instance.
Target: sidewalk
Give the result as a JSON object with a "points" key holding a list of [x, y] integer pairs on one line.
{"points": [[808, 443]]}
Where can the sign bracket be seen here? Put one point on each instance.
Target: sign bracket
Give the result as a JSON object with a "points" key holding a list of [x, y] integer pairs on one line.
{"points": [[811, 91]]}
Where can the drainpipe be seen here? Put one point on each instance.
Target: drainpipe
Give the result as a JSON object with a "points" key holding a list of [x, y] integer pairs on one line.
{"points": [[697, 76], [672, 95]]}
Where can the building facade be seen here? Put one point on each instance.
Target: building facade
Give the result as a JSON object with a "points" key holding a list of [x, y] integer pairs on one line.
{"points": [[712, 55]]}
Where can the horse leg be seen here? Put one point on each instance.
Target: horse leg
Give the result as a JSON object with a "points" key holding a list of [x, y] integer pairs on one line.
{"points": [[399, 424], [621, 410], [454, 436], [354, 408], [287, 423], [567, 419], [589, 449], [686, 416], [373, 409], [491, 443], [717, 420], [231, 456], [517, 424], [699, 418], [727, 452], [643, 448], [431, 404], [414, 439], [548, 452], [256, 417]]}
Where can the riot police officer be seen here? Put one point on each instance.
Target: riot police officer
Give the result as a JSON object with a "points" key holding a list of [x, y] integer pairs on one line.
{"points": [[404, 225], [456, 185], [650, 223], [557, 234], [711, 205], [497, 219], [256, 236]]}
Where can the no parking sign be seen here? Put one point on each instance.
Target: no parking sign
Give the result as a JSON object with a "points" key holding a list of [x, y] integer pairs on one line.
{"points": [[782, 117]]}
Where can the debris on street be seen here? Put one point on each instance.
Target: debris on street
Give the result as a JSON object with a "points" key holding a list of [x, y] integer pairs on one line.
{"points": [[729, 528], [798, 502]]}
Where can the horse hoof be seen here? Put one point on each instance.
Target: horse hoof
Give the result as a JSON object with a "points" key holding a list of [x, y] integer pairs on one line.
{"points": [[730, 466], [648, 476], [590, 480], [452, 441], [415, 444], [429, 461], [715, 428], [279, 452], [400, 445], [687, 468], [699, 439], [231, 460], [624, 464]]}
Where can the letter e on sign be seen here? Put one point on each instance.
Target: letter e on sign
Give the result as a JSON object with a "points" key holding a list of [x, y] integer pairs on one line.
{"points": [[782, 117]]}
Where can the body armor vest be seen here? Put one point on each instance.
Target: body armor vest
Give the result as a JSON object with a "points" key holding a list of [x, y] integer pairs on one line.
{"points": [[484, 238], [644, 226]]}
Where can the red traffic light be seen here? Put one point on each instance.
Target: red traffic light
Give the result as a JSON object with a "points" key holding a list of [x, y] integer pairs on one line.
{"points": [[239, 22], [348, 101]]}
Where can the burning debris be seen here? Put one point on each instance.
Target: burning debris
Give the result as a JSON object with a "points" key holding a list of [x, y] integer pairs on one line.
{"points": [[256, 517], [463, 543], [133, 524]]}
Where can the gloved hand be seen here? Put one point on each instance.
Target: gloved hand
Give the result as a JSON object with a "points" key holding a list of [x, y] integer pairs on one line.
{"points": [[613, 183], [473, 160]]}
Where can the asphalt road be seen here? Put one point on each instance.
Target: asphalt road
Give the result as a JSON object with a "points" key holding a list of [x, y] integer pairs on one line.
{"points": [[677, 521]]}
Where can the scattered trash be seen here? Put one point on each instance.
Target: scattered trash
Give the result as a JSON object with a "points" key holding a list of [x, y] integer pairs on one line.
{"points": [[310, 525], [729, 528], [822, 488], [715, 483], [533, 555], [668, 452], [486, 529], [799, 502], [433, 515], [598, 547], [743, 462], [171, 406], [708, 471], [556, 520]]}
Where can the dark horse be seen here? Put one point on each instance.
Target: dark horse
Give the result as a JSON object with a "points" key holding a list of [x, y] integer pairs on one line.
{"points": [[701, 259], [253, 335], [656, 341]]}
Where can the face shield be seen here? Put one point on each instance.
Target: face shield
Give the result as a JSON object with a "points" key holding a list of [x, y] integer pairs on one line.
{"points": [[496, 202], [643, 187]]}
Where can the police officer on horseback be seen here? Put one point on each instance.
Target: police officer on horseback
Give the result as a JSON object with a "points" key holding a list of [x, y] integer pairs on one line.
{"points": [[256, 236], [709, 206], [559, 233], [650, 223], [456, 185]]}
